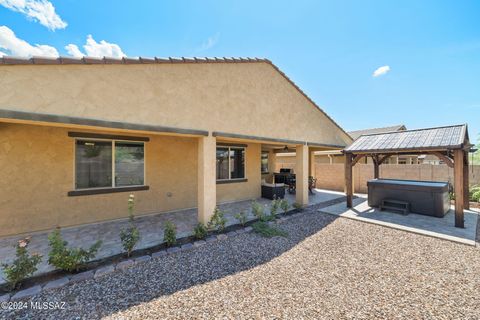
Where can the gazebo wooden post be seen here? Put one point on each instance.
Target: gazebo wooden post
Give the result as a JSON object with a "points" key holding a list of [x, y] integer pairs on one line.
{"points": [[458, 170], [376, 167], [348, 179], [466, 187]]}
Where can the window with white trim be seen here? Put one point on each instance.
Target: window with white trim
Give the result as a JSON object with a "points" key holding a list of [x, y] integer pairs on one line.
{"points": [[109, 164], [230, 163]]}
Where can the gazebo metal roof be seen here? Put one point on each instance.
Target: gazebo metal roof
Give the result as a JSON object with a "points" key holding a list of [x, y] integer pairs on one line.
{"points": [[439, 138]]}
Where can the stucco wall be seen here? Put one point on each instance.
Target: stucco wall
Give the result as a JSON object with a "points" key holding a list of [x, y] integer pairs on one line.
{"points": [[331, 176], [259, 100], [37, 171]]}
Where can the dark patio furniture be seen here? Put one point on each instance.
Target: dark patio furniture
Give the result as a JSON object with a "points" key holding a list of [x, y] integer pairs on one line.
{"points": [[272, 191]]}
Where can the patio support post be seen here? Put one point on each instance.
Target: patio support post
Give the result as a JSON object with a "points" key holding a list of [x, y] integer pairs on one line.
{"points": [[311, 161], [272, 163], [466, 187], [301, 174], [207, 183], [459, 155], [348, 179]]}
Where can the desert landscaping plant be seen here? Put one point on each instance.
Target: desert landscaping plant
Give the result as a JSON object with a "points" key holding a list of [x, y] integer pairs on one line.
{"points": [[217, 221], [23, 266], [284, 205], [275, 205], [475, 193], [258, 210], [297, 206], [130, 236], [170, 234], [200, 231], [241, 217], [268, 231], [69, 259]]}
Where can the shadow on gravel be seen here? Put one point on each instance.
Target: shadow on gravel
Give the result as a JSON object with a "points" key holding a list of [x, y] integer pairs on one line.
{"points": [[176, 272]]}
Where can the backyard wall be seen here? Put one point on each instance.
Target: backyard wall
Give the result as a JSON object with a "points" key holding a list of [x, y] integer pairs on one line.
{"points": [[331, 176]]}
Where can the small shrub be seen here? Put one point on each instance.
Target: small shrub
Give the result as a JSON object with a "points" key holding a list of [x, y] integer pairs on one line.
{"points": [[170, 234], [23, 266], [130, 236], [262, 228], [274, 208], [69, 259], [284, 205], [297, 206], [241, 217], [217, 221], [474, 190], [451, 195], [476, 196], [258, 210], [200, 231]]}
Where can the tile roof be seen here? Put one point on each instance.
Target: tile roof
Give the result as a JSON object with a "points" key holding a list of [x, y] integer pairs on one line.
{"points": [[357, 133], [11, 60], [440, 138]]}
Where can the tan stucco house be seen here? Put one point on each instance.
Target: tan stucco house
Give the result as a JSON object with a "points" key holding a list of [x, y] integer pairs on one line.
{"points": [[76, 135]]}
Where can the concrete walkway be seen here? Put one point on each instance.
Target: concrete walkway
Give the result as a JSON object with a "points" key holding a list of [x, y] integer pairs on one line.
{"points": [[151, 229], [443, 228]]}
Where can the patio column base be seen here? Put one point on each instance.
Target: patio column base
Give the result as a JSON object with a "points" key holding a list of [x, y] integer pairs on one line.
{"points": [[207, 186]]}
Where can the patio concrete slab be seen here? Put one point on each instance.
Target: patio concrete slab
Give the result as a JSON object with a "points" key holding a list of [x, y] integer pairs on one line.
{"points": [[443, 228], [150, 226]]}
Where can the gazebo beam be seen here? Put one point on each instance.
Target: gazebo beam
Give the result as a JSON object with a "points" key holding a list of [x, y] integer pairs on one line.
{"points": [[459, 164]]}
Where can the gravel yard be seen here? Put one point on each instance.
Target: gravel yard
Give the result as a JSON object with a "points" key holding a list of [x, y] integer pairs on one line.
{"points": [[326, 268]]}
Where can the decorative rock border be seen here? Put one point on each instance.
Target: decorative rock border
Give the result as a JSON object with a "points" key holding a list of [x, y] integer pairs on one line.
{"points": [[118, 267]]}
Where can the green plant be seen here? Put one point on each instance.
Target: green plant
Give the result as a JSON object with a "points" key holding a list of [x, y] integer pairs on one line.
{"points": [[217, 221], [200, 231], [476, 196], [130, 236], [23, 266], [170, 234], [69, 259], [451, 195], [262, 228], [241, 217], [473, 190], [275, 205], [297, 206], [258, 210], [284, 205]]}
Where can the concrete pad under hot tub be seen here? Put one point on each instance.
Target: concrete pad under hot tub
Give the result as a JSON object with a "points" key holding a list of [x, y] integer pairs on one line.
{"points": [[443, 228]]}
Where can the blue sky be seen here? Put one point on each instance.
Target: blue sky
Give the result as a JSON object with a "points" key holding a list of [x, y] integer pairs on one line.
{"points": [[329, 48]]}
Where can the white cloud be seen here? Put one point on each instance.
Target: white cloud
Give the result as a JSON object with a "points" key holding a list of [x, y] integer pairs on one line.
{"points": [[96, 49], [18, 47], [74, 51], [381, 71], [209, 43], [38, 10]]}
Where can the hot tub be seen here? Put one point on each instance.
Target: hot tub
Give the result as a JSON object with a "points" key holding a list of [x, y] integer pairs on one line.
{"points": [[425, 197]]}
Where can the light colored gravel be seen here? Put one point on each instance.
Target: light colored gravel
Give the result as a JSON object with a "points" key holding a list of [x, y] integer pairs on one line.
{"points": [[326, 269]]}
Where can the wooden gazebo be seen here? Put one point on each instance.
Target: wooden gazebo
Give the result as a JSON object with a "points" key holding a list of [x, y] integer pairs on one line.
{"points": [[450, 144]]}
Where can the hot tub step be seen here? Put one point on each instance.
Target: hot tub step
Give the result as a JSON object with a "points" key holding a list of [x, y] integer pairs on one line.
{"points": [[395, 206]]}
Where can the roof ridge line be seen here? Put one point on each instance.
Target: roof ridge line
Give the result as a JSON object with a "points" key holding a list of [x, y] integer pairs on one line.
{"points": [[410, 130], [87, 60], [392, 126]]}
